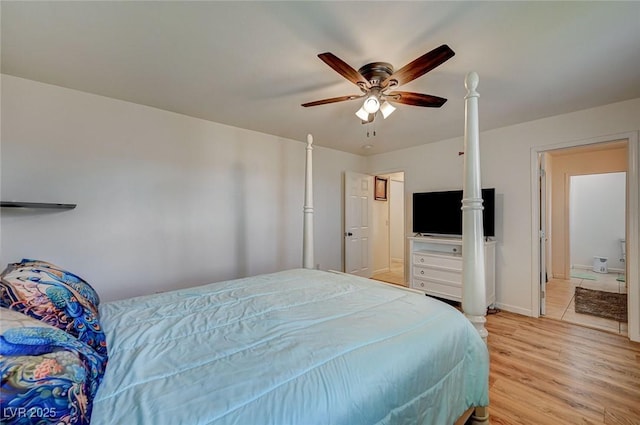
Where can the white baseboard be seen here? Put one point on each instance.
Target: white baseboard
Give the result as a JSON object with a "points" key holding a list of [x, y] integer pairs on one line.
{"points": [[581, 267], [514, 309]]}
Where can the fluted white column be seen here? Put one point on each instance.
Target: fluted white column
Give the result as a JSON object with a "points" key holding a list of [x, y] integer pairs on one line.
{"points": [[473, 273], [307, 237]]}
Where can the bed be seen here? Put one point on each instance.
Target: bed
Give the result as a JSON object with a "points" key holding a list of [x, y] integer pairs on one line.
{"points": [[299, 346]]}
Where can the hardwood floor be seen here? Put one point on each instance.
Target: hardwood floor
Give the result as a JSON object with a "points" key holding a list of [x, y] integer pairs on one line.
{"points": [[545, 371]]}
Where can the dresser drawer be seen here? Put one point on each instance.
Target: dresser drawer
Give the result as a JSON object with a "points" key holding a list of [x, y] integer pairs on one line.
{"points": [[442, 261], [445, 276], [437, 289], [436, 267]]}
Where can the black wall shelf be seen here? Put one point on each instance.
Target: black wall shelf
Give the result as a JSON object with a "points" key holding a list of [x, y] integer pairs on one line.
{"points": [[40, 205]]}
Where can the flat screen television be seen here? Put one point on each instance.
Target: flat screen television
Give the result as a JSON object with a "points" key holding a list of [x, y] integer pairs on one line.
{"points": [[440, 213]]}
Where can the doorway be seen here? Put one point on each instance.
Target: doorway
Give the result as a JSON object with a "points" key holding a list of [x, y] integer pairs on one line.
{"points": [[554, 256], [596, 231], [374, 226]]}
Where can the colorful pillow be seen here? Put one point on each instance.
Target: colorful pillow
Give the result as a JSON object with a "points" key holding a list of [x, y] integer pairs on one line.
{"points": [[55, 296], [48, 376]]}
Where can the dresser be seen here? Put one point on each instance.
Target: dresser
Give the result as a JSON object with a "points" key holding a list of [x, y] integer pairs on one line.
{"points": [[436, 267]]}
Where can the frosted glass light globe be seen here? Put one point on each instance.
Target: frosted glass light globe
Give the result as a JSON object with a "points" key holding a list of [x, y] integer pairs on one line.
{"points": [[371, 105]]}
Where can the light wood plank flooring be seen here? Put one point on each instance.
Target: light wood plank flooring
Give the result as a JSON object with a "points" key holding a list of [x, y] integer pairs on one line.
{"points": [[549, 372]]}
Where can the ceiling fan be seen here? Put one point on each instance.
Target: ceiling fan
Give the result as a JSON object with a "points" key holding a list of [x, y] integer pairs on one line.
{"points": [[378, 80]]}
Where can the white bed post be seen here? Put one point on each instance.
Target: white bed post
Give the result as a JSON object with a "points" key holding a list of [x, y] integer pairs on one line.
{"points": [[473, 273], [307, 237]]}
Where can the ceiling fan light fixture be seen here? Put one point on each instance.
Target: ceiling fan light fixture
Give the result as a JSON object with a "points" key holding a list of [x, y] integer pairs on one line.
{"points": [[362, 114], [386, 109], [371, 104], [377, 78]]}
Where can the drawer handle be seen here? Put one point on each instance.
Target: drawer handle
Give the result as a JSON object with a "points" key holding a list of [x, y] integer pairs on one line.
{"points": [[422, 260], [422, 272], [422, 284]]}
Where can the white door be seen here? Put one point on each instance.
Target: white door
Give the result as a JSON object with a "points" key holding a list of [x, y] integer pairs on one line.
{"points": [[358, 200], [543, 234]]}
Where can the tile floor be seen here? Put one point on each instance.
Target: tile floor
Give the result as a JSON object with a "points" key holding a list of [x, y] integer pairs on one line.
{"points": [[561, 304]]}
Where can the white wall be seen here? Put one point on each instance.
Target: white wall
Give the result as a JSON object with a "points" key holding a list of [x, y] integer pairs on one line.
{"points": [[505, 156], [597, 219], [164, 200]]}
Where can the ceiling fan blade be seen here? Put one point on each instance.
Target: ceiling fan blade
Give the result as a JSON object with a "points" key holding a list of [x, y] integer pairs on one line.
{"points": [[421, 66], [416, 99], [331, 100], [344, 69]]}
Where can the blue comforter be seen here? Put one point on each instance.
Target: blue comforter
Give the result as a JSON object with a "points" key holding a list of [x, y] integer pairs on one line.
{"points": [[294, 347]]}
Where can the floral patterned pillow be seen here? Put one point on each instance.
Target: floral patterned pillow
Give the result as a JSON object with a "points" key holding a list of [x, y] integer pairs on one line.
{"points": [[48, 376], [55, 296]]}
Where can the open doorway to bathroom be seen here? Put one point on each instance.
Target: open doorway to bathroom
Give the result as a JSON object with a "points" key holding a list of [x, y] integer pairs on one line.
{"points": [[389, 231], [586, 235]]}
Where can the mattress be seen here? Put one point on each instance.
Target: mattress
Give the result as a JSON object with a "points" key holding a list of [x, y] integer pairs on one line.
{"points": [[293, 347]]}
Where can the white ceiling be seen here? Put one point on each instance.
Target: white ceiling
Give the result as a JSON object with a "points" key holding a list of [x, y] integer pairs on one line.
{"points": [[251, 64]]}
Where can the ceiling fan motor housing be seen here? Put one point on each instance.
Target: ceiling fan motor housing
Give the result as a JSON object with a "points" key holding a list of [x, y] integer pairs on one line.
{"points": [[376, 72]]}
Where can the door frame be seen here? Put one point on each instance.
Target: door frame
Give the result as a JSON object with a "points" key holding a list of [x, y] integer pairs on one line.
{"points": [[632, 223], [542, 230]]}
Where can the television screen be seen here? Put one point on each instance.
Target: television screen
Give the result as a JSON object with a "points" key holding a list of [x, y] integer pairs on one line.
{"points": [[440, 213]]}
